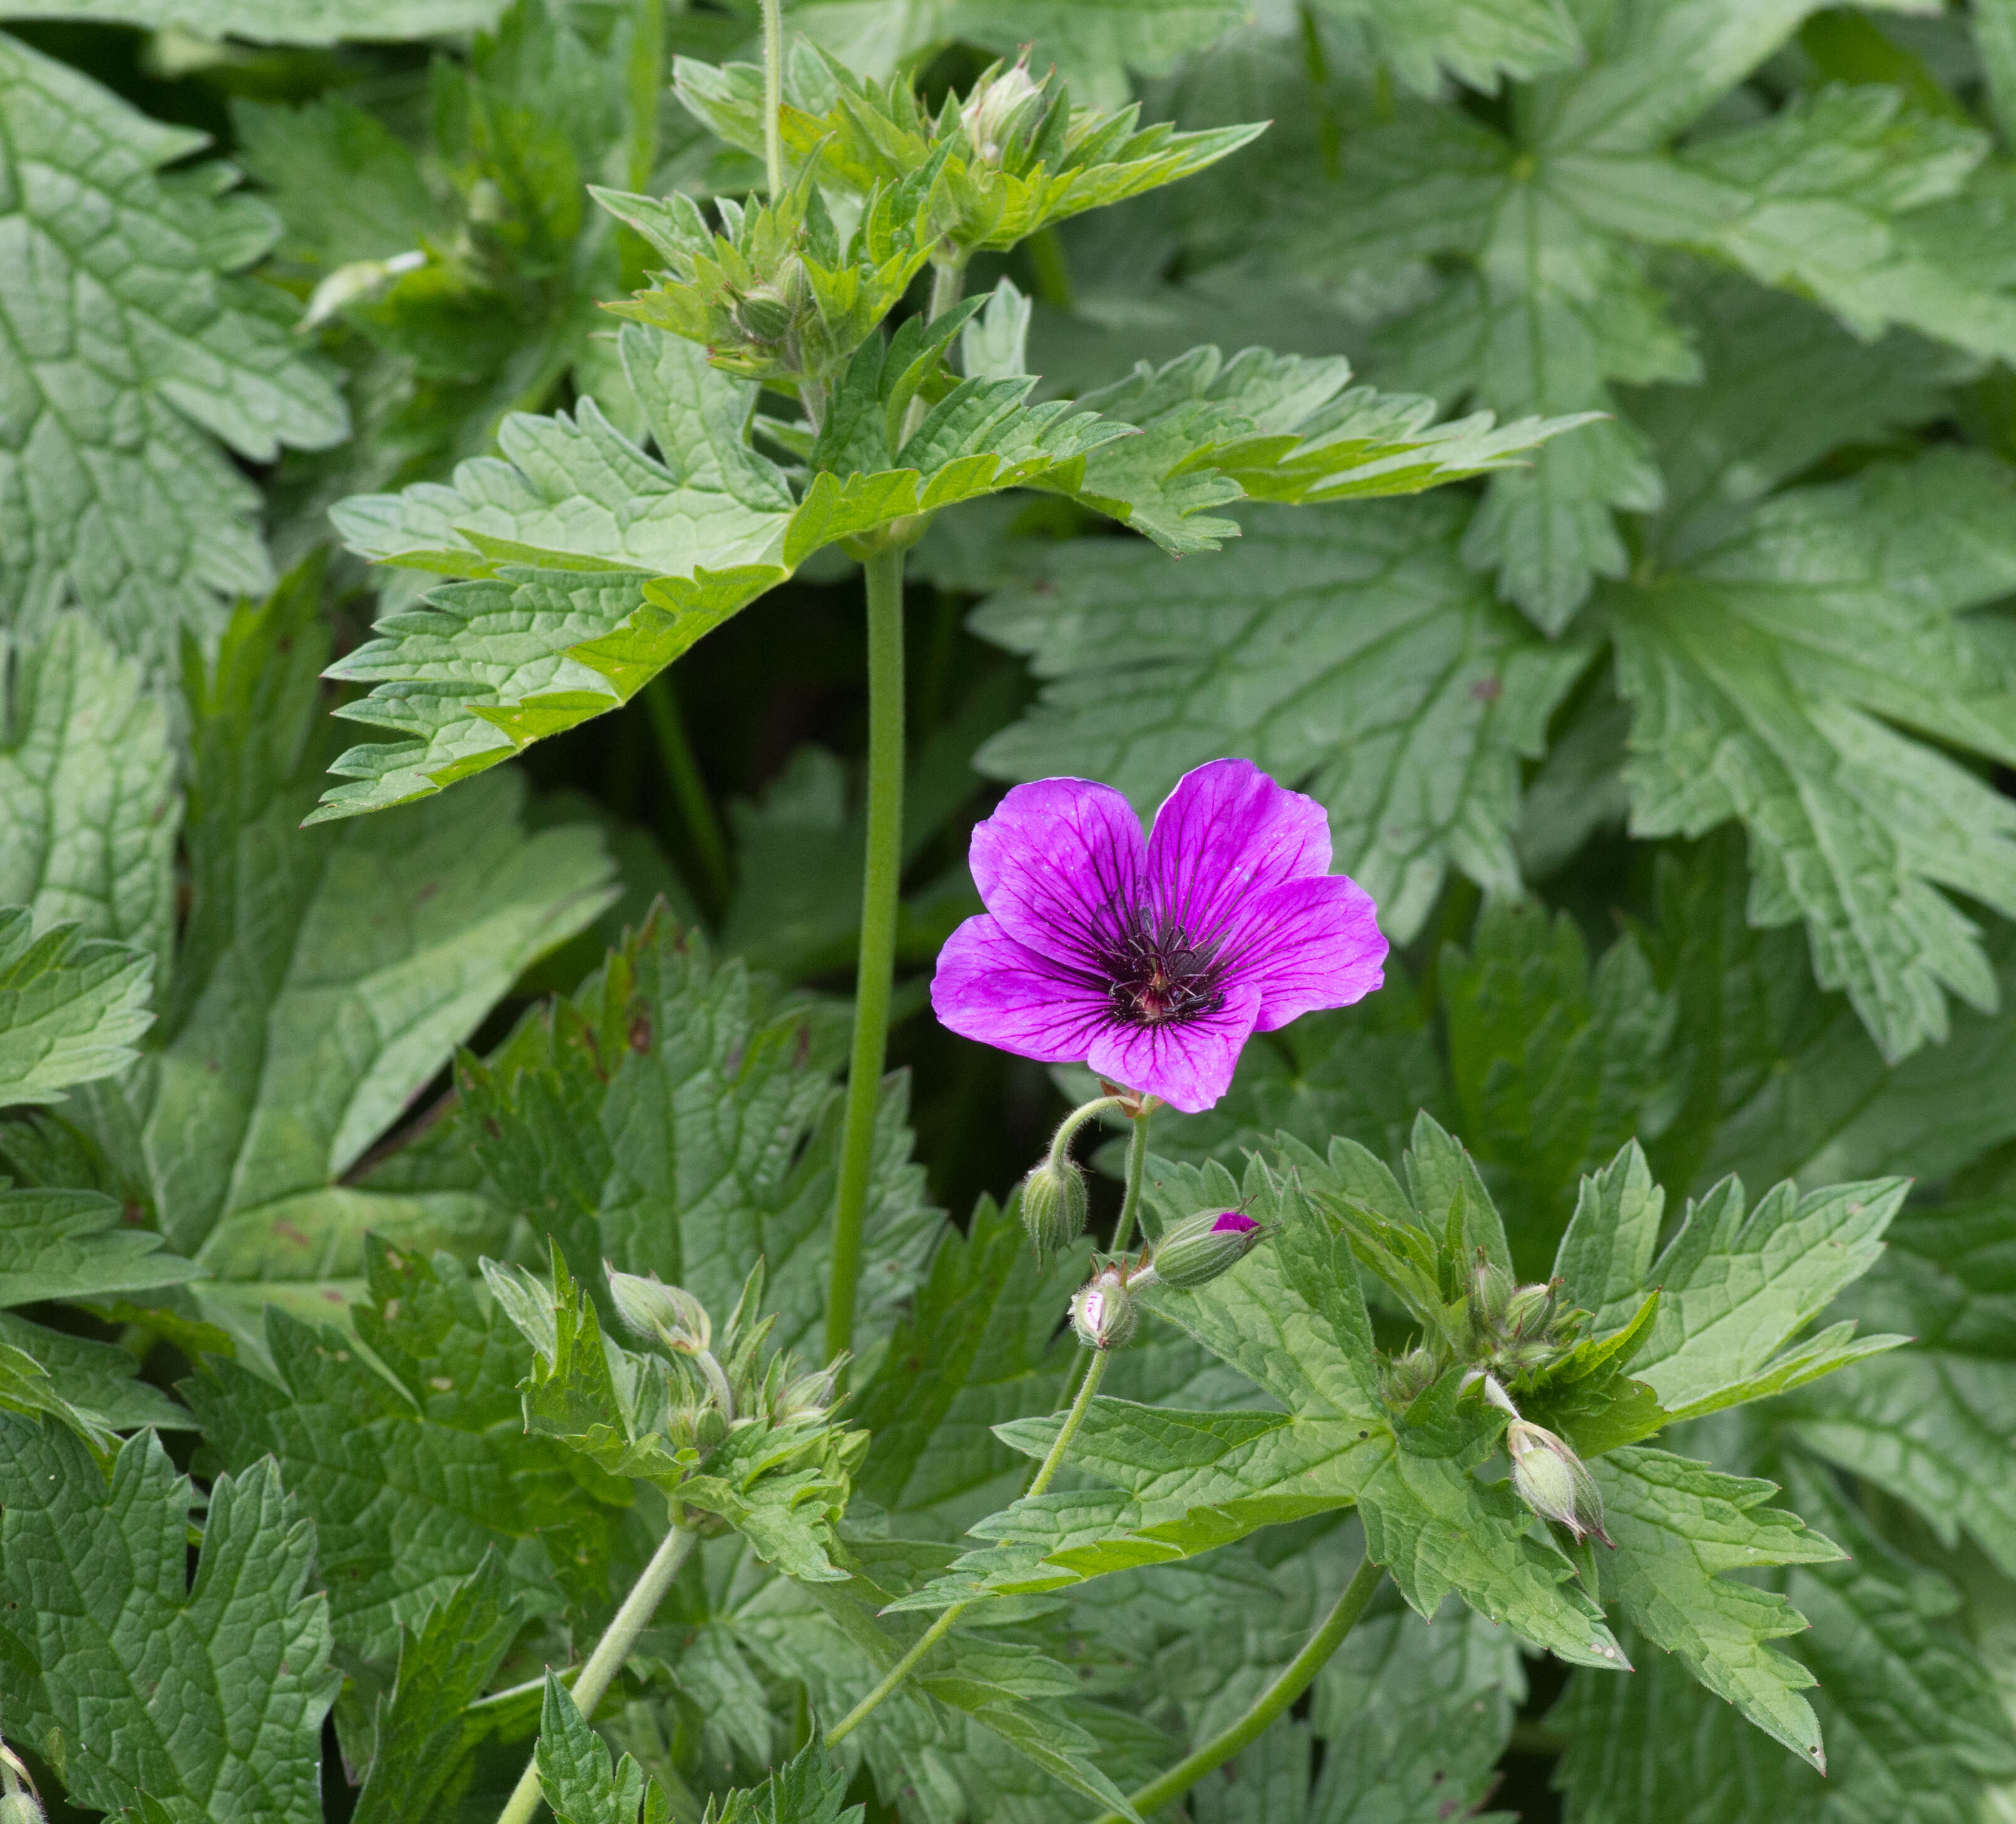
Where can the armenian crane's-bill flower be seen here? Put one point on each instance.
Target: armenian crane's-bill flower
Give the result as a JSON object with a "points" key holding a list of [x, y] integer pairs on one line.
{"points": [[1153, 961]]}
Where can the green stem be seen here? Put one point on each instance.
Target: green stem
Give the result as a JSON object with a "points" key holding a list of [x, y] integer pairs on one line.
{"points": [[690, 792], [1049, 269], [943, 1625], [881, 878], [610, 1651], [1061, 1142], [1294, 1681], [948, 282], [773, 94], [646, 72], [1137, 1170]]}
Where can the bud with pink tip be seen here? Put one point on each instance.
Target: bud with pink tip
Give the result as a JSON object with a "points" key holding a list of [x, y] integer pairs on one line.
{"points": [[1102, 1311], [1193, 1252]]}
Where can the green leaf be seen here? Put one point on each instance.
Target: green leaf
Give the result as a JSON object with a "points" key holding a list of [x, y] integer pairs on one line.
{"points": [[600, 564], [1736, 1285], [810, 1788], [274, 22], [1094, 43], [1346, 652], [980, 1346], [70, 1008], [1756, 677], [1279, 428], [88, 804], [129, 313], [444, 1666], [1810, 199], [1679, 1527], [74, 1244], [207, 1695], [1477, 42], [1933, 1423], [1553, 1067], [1913, 1724], [100, 1380], [577, 1777], [411, 1477], [322, 980], [679, 1117], [978, 1730], [1782, 1080]]}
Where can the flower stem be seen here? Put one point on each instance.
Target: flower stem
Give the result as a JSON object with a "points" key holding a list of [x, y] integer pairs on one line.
{"points": [[942, 1626], [690, 792], [1137, 1170], [610, 1651], [948, 280], [1061, 1142], [773, 94], [1294, 1681], [881, 878]]}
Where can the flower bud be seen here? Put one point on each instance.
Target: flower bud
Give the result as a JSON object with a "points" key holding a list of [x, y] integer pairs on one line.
{"points": [[669, 1313], [1194, 1251], [358, 282], [1102, 1311], [808, 1396], [1552, 1480], [1489, 1288], [20, 1808], [1053, 1205], [1528, 1307], [764, 314], [997, 107]]}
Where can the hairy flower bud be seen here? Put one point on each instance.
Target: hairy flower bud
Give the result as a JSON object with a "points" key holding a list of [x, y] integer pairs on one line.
{"points": [[1528, 1307], [1552, 1480], [1102, 1311], [20, 1808], [1053, 1205], [999, 105], [764, 314], [1194, 1251], [1490, 1287], [670, 1313], [809, 1395]]}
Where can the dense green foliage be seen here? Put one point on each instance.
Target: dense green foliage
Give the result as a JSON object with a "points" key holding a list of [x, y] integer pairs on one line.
{"points": [[1573, 441]]}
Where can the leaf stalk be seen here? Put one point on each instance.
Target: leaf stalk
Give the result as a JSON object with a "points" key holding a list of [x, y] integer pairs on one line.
{"points": [[610, 1651], [1294, 1680]]}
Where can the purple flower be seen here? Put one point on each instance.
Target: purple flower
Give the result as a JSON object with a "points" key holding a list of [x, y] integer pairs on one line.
{"points": [[1154, 961], [1233, 1222]]}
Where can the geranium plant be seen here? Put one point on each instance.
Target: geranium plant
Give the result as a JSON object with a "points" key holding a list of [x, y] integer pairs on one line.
{"points": [[1402, 496]]}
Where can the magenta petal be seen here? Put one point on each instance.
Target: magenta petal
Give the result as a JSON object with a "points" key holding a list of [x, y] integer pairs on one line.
{"points": [[1233, 1222], [991, 988], [1189, 1062], [1055, 863], [1226, 832], [1307, 944]]}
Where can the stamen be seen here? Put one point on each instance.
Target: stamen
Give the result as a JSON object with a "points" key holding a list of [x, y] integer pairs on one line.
{"points": [[1156, 974]]}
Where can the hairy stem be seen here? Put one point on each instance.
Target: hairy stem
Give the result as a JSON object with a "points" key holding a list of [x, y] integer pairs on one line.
{"points": [[947, 282], [610, 1651], [942, 1626], [1061, 1142], [696, 810], [1294, 1681], [881, 878], [1137, 1170], [773, 94]]}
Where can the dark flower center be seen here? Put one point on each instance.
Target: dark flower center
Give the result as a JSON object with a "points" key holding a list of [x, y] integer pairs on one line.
{"points": [[1157, 973]]}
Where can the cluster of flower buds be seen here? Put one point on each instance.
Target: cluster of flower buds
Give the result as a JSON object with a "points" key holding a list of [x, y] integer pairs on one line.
{"points": [[1518, 1329], [1005, 107], [1191, 1253], [719, 1395], [1546, 1473]]}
